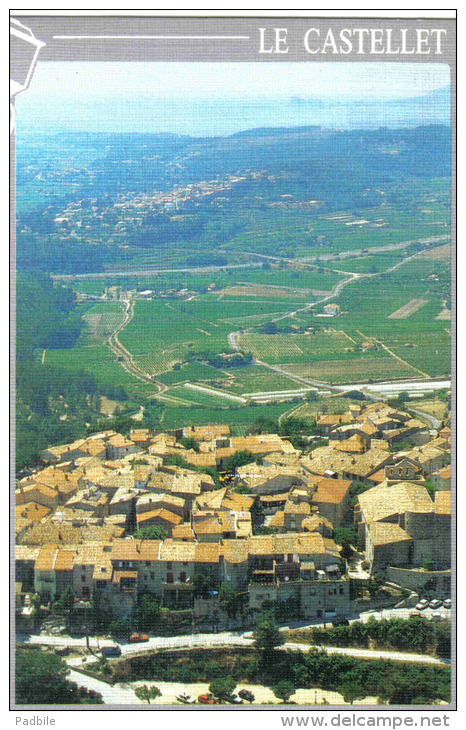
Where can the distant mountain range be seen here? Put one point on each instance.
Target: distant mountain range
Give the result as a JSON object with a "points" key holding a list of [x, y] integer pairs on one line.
{"points": [[220, 116]]}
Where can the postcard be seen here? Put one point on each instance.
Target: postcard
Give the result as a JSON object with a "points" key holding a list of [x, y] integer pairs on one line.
{"points": [[233, 251]]}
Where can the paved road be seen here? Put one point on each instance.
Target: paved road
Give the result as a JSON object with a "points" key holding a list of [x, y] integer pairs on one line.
{"points": [[150, 272], [226, 638], [116, 695], [434, 422], [349, 254]]}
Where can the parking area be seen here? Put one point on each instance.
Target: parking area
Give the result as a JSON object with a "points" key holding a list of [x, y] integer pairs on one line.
{"points": [[386, 613]]}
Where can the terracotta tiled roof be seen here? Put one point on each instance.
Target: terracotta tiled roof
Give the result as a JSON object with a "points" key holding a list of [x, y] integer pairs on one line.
{"points": [[331, 491], [136, 549], [64, 560], [206, 553], [177, 552], [46, 557], [386, 533], [278, 519], [183, 532], [382, 501], [442, 504], [445, 473], [162, 514], [32, 511], [234, 551]]}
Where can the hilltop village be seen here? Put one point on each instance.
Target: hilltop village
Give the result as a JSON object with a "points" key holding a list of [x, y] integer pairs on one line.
{"points": [[178, 514]]}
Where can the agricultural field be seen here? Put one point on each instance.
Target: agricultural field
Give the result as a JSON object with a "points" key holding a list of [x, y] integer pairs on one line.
{"points": [[324, 344], [102, 363], [261, 291], [239, 418], [364, 343], [192, 372], [102, 319], [439, 253], [429, 353], [175, 329], [434, 405], [334, 405], [366, 264], [340, 372], [258, 379], [292, 278], [408, 309]]}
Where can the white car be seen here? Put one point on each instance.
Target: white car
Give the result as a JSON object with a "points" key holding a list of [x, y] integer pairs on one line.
{"points": [[447, 603], [435, 603], [436, 616], [423, 603]]}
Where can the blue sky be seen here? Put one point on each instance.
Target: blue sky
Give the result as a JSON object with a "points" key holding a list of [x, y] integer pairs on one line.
{"points": [[155, 96]]}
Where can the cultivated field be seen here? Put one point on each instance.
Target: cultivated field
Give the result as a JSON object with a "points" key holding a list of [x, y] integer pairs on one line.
{"points": [[270, 291], [338, 372], [439, 253], [408, 309]]}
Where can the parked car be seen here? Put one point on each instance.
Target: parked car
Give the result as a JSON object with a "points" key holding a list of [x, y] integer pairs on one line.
{"points": [[185, 699], [340, 621], [109, 651], [206, 699], [415, 614], [435, 603], [234, 700], [245, 694], [436, 616], [423, 603], [138, 637], [447, 603]]}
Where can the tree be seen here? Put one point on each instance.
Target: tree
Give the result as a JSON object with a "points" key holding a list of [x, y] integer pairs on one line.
{"points": [[154, 532], [262, 424], [146, 694], [67, 599], [231, 601], [242, 489], [41, 680], [267, 634], [284, 689], [223, 687], [443, 638], [346, 535], [203, 582], [240, 458], [352, 690], [146, 613], [189, 443], [120, 627]]}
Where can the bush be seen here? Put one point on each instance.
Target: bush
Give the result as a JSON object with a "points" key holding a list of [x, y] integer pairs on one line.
{"points": [[284, 689], [223, 687]]}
